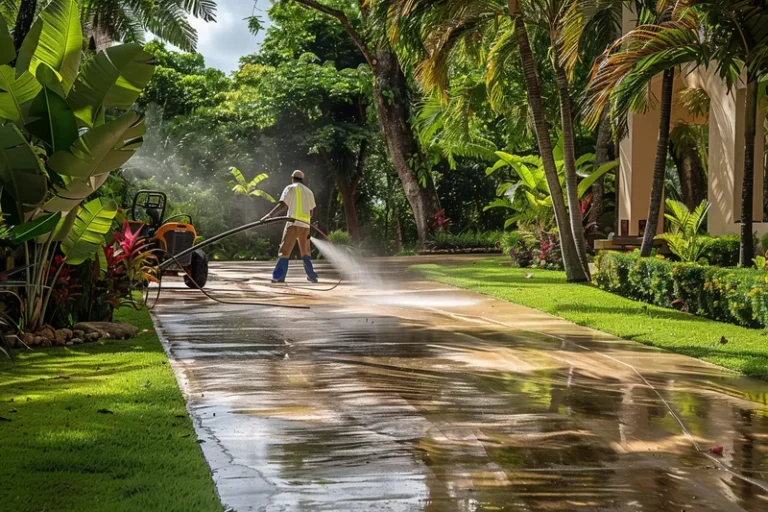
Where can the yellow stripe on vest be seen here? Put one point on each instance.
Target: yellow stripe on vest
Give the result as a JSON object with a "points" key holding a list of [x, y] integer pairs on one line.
{"points": [[299, 209]]}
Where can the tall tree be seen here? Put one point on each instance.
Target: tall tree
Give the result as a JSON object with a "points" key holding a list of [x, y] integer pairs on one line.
{"points": [[453, 28], [392, 99]]}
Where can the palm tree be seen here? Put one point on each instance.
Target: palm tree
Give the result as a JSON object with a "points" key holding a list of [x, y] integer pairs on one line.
{"points": [[447, 23], [731, 35], [127, 20]]}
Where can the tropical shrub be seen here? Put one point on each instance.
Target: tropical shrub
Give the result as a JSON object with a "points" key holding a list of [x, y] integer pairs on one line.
{"points": [[526, 193], [723, 251], [63, 134], [522, 247], [550, 256], [737, 296], [684, 237], [339, 237]]}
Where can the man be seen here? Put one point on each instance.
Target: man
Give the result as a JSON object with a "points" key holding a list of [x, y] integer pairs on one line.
{"points": [[299, 202]]}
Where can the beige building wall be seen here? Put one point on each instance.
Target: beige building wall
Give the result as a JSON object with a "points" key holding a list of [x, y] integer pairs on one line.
{"points": [[726, 153]]}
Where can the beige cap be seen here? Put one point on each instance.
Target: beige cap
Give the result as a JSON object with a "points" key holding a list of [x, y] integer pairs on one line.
{"points": [[297, 174]]}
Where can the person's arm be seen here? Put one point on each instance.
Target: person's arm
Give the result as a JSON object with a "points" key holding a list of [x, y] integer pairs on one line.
{"points": [[281, 206]]}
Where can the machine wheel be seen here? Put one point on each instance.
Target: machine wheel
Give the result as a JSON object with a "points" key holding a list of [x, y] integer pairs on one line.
{"points": [[198, 270]]}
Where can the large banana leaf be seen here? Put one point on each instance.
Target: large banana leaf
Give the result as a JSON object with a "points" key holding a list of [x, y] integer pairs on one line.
{"points": [[102, 149], [522, 170], [93, 222], [72, 192], [64, 226], [20, 171], [590, 180], [56, 39], [7, 50], [40, 226], [113, 78], [15, 91], [50, 117]]}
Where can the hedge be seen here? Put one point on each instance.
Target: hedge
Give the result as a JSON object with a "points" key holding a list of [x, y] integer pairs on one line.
{"points": [[723, 251], [734, 295]]}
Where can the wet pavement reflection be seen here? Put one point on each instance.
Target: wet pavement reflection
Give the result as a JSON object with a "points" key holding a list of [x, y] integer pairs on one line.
{"points": [[427, 398]]}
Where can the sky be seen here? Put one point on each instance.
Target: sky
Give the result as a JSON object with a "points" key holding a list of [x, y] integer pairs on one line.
{"points": [[224, 42]]}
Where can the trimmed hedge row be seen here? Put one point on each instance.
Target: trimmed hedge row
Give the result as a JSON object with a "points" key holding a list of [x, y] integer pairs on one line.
{"points": [[723, 251], [733, 295]]}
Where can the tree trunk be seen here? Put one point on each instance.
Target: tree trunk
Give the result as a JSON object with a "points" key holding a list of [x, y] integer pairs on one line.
{"points": [[331, 213], [604, 153], [350, 211], [660, 166], [390, 94], [24, 20], [569, 154], [690, 168], [398, 231], [573, 267], [747, 251]]}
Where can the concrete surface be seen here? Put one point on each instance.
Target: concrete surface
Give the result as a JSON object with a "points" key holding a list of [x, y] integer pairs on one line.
{"points": [[420, 397]]}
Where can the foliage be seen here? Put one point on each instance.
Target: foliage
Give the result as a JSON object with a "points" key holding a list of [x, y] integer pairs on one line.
{"points": [[598, 309], [738, 296], [722, 251], [464, 240], [124, 20], [521, 247], [243, 187], [182, 85], [63, 135], [684, 237], [761, 262], [526, 191], [254, 248], [528, 249], [339, 237]]}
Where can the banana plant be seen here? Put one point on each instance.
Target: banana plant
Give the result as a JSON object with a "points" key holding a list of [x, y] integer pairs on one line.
{"points": [[243, 187], [526, 192], [62, 133]]}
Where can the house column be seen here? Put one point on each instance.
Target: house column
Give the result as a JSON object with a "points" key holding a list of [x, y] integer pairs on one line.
{"points": [[726, 155]]}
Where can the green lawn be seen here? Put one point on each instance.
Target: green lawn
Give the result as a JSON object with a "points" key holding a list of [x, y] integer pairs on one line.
{"points": [[99, 427], [747, 350]]}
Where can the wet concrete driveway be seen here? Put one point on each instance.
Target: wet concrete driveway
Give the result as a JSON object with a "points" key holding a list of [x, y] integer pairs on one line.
{"points": [[434, 399]]}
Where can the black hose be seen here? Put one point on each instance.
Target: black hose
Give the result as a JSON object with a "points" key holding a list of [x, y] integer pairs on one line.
{"points": [[174, 259], [222, 236]]}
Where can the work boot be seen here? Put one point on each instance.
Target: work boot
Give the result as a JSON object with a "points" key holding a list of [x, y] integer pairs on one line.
{"points": [[309, 269], [281, 271]]}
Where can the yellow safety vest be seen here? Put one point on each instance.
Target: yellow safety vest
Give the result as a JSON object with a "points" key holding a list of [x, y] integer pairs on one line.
{"points": [[300, 216]]}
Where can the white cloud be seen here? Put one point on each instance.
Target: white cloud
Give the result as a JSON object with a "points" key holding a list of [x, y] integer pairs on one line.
{"points": [[224, 42]]}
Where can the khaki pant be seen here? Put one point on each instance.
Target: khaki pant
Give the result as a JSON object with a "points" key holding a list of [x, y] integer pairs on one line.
{"points": [[293, 235]]}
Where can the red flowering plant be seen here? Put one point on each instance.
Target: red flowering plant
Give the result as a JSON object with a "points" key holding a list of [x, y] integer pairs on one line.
{"points": [[440, 222], [128, 265]]}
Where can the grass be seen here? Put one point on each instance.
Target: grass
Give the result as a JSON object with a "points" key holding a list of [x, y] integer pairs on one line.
{"points": [[586, 305], [99, 427]]}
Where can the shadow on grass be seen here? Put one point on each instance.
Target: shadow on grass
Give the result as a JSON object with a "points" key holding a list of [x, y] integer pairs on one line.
{"points": [[99, 427]]}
